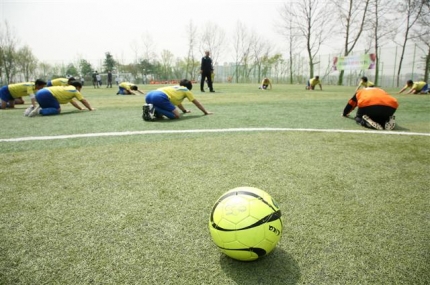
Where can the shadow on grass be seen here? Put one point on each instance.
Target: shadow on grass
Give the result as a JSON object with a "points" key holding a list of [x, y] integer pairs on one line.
{"points": [[71, 112], [278, 267], [187, 117], [396, 128], [400, 128]]}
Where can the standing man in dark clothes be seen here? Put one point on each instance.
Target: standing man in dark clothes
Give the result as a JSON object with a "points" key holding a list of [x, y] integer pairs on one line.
{"points": [[109, 79], [206, 70], [95, 82]]}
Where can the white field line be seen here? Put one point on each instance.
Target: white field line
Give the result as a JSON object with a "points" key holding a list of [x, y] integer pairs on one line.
{"points": [[132, 133]]}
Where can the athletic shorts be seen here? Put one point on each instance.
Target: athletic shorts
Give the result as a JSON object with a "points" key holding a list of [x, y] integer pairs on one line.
{"points": [[46, 99], [378, 113], [122, 91], [5, 94], [159, 99]]}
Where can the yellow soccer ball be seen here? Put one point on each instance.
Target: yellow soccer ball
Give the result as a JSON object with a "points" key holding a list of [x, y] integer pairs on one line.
{"points": [[245, 223]]}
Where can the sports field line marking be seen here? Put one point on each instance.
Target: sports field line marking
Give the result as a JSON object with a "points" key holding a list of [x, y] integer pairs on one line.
{"points": [[132, 133]]}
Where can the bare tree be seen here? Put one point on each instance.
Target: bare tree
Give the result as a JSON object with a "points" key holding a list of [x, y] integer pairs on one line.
{"points": [[241, 47], [135, 47], [288, 30], [421, 35], [8, 53], [191, 63], [311, 22], [149, 48], [248, 58], [352, 18], [213, 39], [44, 70], [412, 9], [260, 53], [167, 61], [26, 62], [279, 68], [381, 27]]}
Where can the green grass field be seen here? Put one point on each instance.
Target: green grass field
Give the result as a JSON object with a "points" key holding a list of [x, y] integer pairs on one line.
{"points": [[133, 208]]}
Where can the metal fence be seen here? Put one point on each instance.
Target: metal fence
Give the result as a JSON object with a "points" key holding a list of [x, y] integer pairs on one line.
{"points": [[412, 68]]}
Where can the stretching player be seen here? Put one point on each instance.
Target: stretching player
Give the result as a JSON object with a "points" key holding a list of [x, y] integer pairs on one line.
{"points": [[420, 87], [313, 82], [127, 88], [375, 108]]}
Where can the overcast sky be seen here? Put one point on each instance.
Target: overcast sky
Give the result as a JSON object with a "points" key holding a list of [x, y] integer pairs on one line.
{"points": [[67, 30]]}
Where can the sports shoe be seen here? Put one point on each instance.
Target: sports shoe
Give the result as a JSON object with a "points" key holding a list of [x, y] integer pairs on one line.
{"points": [[28, 110], [35, 112], [371, 123], [148, 112], [391, 123]]}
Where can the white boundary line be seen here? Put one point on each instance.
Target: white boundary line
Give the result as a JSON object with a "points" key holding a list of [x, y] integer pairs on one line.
{"points": [[132, 133]]}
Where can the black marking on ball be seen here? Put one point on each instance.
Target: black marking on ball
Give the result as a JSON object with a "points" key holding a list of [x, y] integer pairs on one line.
{"points": [[259, 251], [269, 218]]}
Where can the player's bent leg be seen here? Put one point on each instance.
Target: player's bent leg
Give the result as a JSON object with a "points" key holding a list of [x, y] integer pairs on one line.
{"points": [[166, 113], [19, 101], [391, 123], [371, 124], [49, 111], [359, 120]]}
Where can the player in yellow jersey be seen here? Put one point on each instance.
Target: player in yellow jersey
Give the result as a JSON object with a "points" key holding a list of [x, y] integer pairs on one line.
{"points": [[10, 92], [167, 101], [60, 81], [265, 84], [50, 98], [419, 87], [313, 82], [127, 88], [364, 83]]}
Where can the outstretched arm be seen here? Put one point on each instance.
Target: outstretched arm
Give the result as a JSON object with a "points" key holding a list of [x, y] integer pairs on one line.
{"points": [[200, 106], [76, 105], [86, 104], [403, 89], [182, 108], [352, 103]]}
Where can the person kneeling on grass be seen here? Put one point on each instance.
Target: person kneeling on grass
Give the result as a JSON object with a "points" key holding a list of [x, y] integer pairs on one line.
{"points": [[364, 83], [376, 108], [419, 87], [265, 84], [125, 88], [60, 81], [310, 85], [50, 98], [10, 93], [167, 101]]}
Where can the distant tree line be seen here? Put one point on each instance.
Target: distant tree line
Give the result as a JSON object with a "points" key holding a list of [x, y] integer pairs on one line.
{"points": [[306, 25]]}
